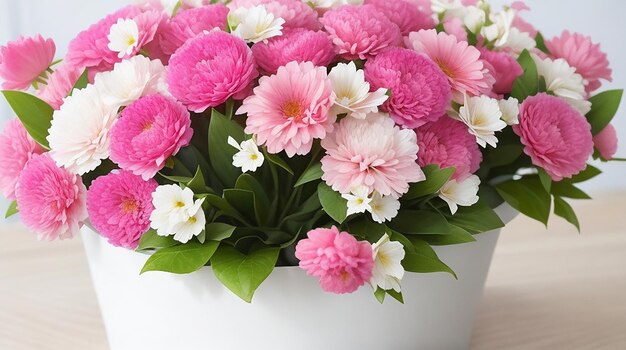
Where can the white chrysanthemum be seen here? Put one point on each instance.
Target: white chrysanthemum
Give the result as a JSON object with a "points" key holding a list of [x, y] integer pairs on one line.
{"points": [[464, 193], [388, 271], [123, 37], [177, 213], [249, 158], [383, 208], [358, 200], [327, 4], [79, 135], [563, 81], [499, 30], [255, 24], [510, 110], [482, 116], [131, 79], [352, 92], [519, 41], [474, 18]]}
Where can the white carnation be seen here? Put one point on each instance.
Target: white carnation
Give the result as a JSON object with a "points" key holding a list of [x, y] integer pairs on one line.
{"points": [[464, 193], [352, 92], [254, 24], [563, 81], [482, 116]]}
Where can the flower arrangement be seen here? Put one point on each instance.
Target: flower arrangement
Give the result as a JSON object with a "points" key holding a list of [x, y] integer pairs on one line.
{"points": [[344, 137]]}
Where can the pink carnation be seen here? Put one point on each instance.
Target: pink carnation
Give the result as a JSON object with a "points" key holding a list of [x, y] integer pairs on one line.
{"points": [[360, 32], [119, 206], [296, 13], [457, 59], [557, 137], [209, 69], [23, 60], [149, 131], [447, 143], [420, 92], [342, 263], [290, 109], [505, 70], [372, 152], [606, 142], [580, 52], [298, 45], [16, 148], [404, 14], [51, 200], [59, 85]]}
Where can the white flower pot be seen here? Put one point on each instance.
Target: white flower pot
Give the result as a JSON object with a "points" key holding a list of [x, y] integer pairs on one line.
{"points": [[289, 311]]}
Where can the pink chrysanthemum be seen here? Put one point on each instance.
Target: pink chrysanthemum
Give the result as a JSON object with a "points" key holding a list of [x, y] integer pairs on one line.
{"points": [[296, 13], [149, 131], [373, 152], [298, 45], [447, 143], [59, 85], [420, 92], [581, 53], [51, 200], [23, 60], [404, 14], [209, 69], [505, 70], [360, 32], [557, 137], [290, 109], [342, 263], [119, 206], [605, 142], [457, 59], [16, 148]]}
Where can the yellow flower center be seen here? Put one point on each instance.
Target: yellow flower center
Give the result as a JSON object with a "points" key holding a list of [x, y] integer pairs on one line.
{"points": [[179, 204], [292, 109], [129, 205]]}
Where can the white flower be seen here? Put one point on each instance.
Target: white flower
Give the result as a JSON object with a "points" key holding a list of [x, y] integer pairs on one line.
{"points": [[388, 270], [510, 110], [177, 213], [79, 136], [441, 6], [123, 37], [474, 18], [352, 92], [248, 158], [519, 41], [254, 24], [482, 116], [462, 193], [499, 31], [358, 200], [383, 208], [563, 81], [131, 79]]}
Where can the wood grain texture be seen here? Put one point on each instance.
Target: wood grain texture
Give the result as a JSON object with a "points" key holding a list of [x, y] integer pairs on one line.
{"points": [[547, 289]]}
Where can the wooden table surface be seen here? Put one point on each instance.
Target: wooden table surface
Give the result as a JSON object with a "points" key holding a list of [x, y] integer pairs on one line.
{"points": [[547, 289]]}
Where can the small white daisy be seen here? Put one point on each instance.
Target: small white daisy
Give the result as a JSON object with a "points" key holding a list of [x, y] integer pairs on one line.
{"points": [[249, 158]]}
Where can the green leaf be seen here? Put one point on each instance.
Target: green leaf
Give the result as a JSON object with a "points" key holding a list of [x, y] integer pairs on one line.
{"points": [[380, 293], [223, 205], [242, 201], [424, 260], [181, 259], [151, 240], [564, 210], [396, 295], [420, 222], [11, 210], [504, 154], [220, 152], [35, 114], [541, 45], [528, 83], [261, 200], [546, 180], [478, 218], [528, 196], [333, 204], [589, 173], [435, 179], [241, 273], [197, 184], [277, 160], [568, 190], [218, 231], [312, 173], [456, 235], [603, 108], [81, 83], [177, 179]]}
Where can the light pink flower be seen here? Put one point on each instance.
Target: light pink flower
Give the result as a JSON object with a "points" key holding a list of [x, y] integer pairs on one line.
{"points": [[342, 263], [606, 142], [557, 137], [447, 143], [505, 69], [59, 85], [298, 45], [360, 32], [51, 200], [290, 109], [404, 14], [420, 92], [210, 68], [581, 53], [519, 22], [16, 148], [149, 131], [119, 206], [23, 60], [455, 26], [296, 13], [459, 61], [371, 152]]}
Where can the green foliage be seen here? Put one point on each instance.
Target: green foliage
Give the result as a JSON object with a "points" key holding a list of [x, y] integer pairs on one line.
{"points": [[220, 152], [277, 160], [424, 259], [546, 180], [564, 210], [528, 83], [541, 45], [218, 231], [568, 190], [478, 218], [35, 114], [603, 108], [334, 205], [435, 179], [589, 173], [312, 173], [181, 259], [456, 235], [151, 240], [197, 184], [412, 222], [82, 82], [11, 210], [529, 196]]}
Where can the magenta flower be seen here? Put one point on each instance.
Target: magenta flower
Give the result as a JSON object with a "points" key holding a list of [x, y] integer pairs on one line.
{"points": [[504, 69], [341, 263], [606, 142], [59, 85], [16, 148], [22, 61], [296, 13], [406, 15]]}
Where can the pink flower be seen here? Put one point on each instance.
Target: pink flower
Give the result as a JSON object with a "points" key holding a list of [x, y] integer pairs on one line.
{"points": [[455, 26], [404, 14], [119, 206], [296, 13], [59, 85], [360, 32], [371, 152], [447, 143], [459, 61], [149, 131], [290, 109], [557, 137], [51, 200], [22, 61], [209, 69], [420, 92], [505, 70], [606, 142], [580, 52], [16, 148], [519, 22], [342, 263], [298, 45]]}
